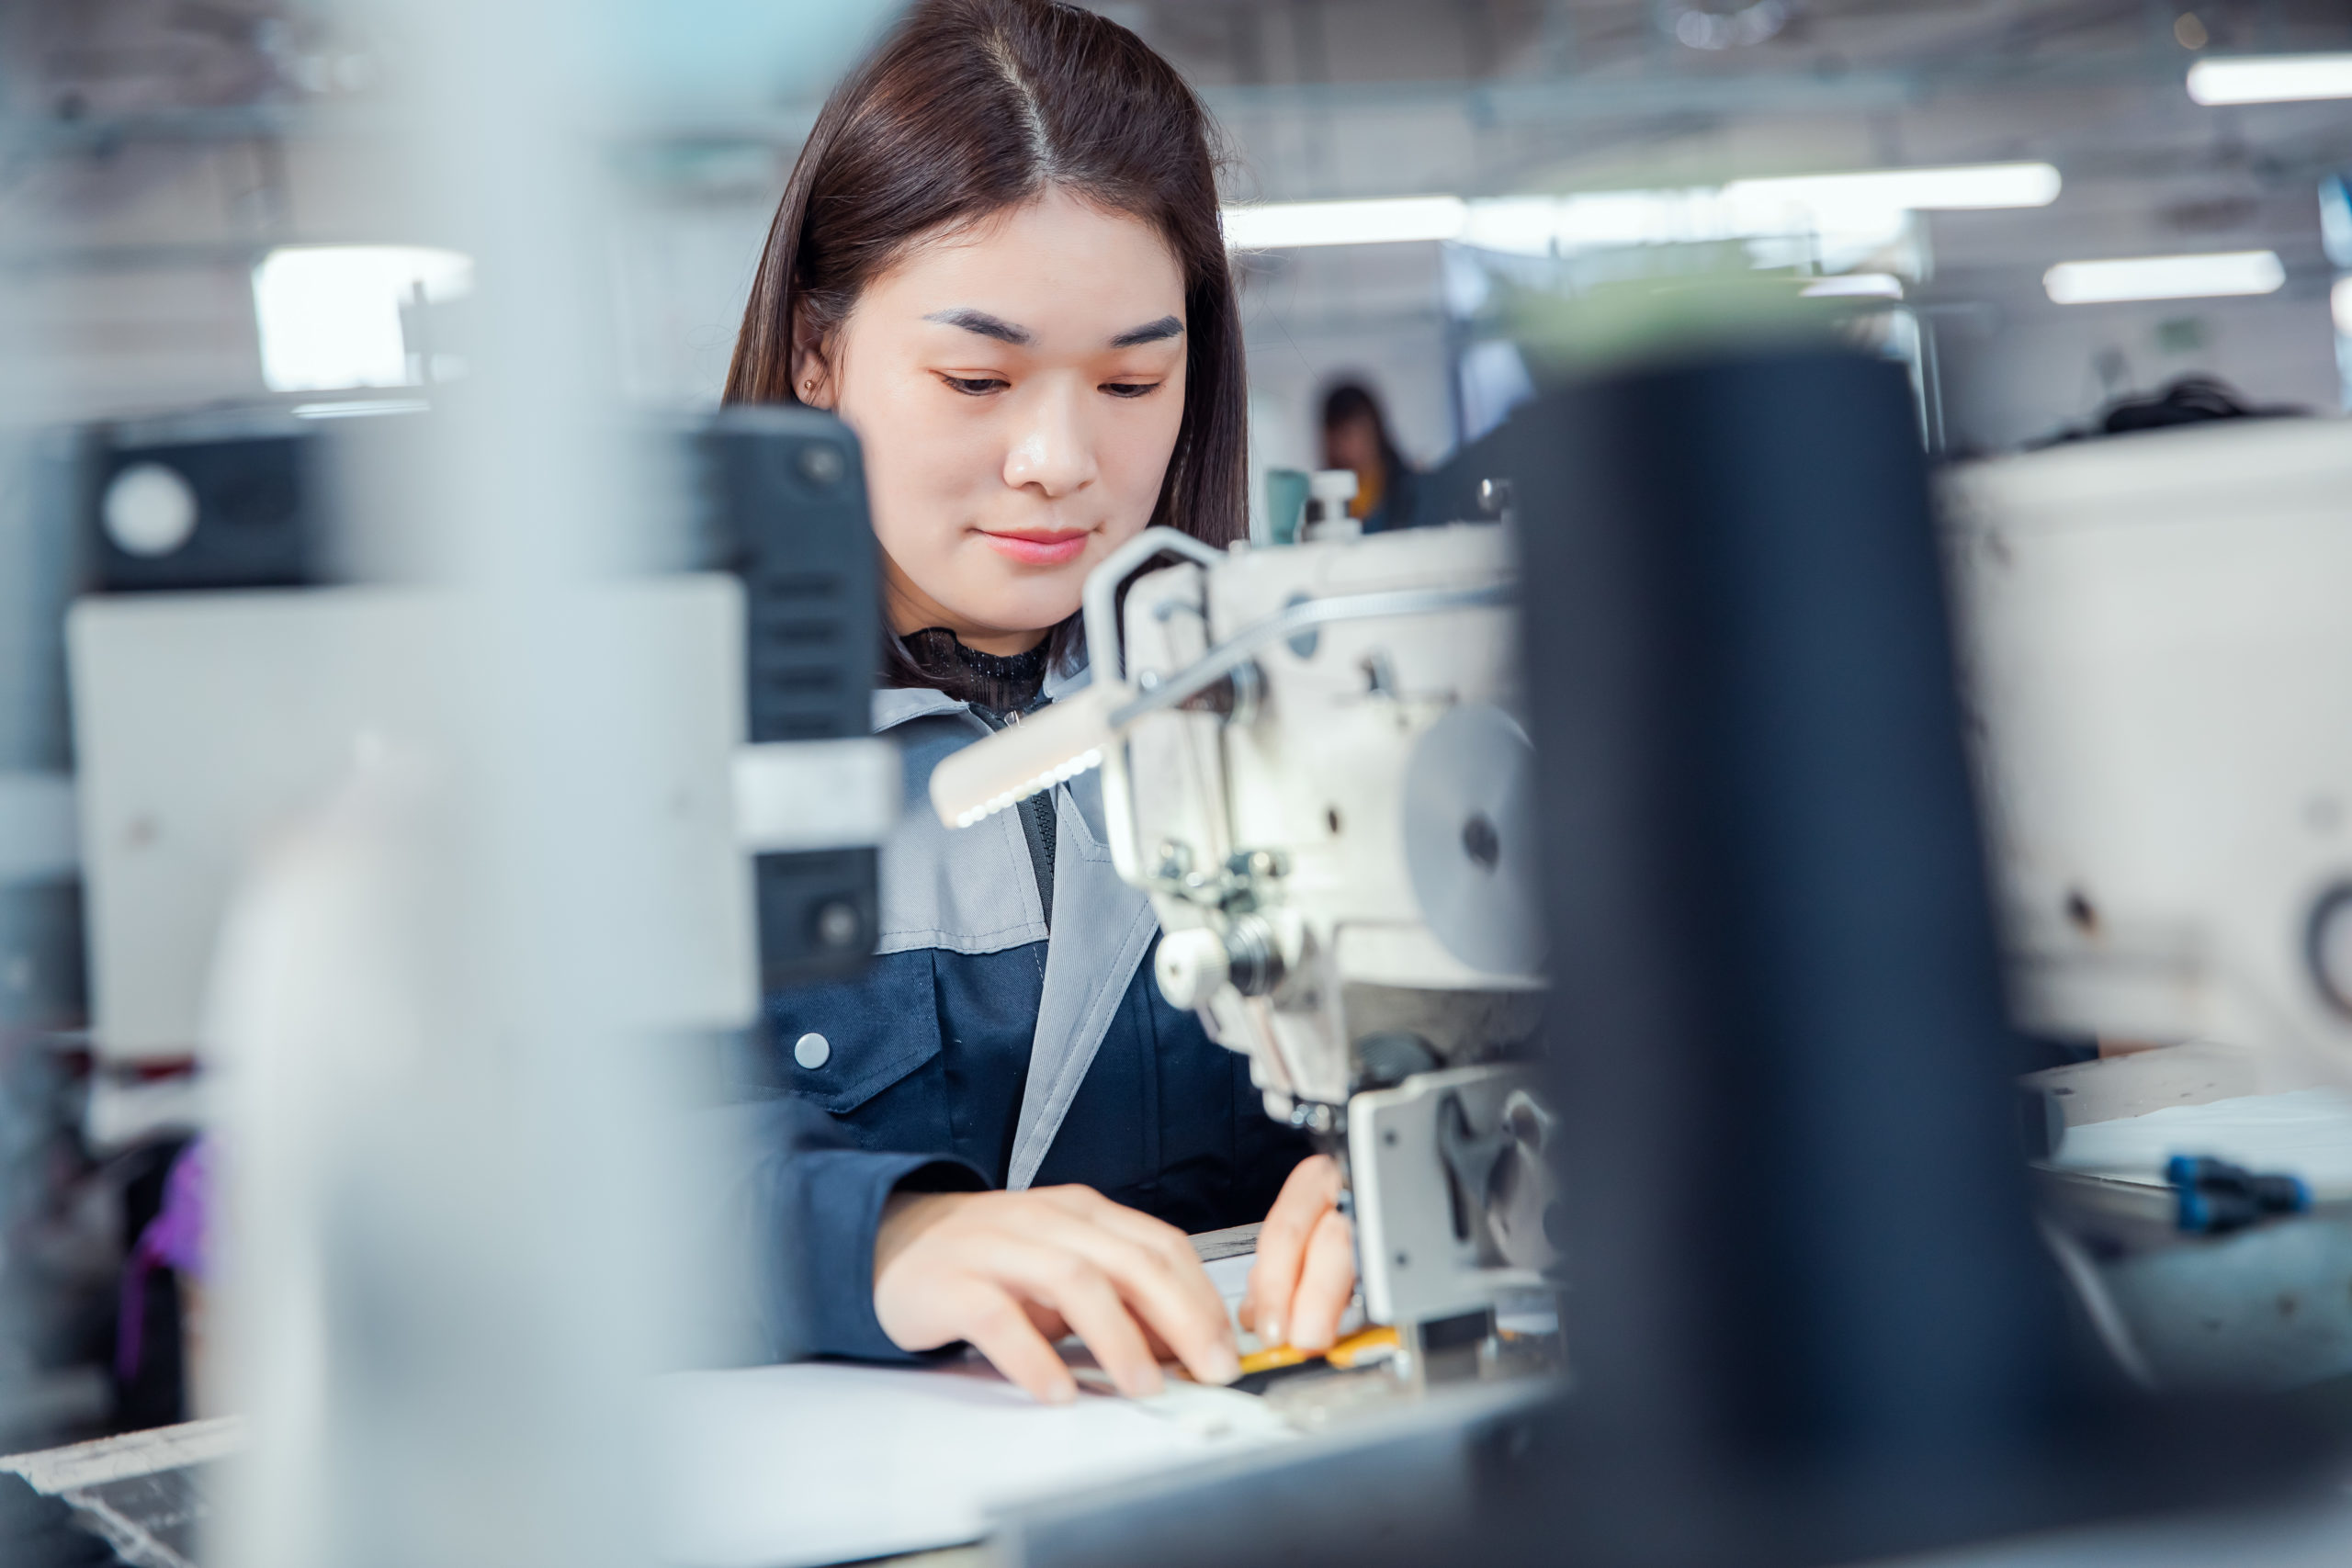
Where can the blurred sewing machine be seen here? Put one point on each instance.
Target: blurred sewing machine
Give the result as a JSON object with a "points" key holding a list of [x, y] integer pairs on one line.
{"points": [[1314, 760], [2154, 633]]}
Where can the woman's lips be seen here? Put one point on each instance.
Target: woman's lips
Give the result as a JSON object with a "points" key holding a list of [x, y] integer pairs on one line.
{"points": [[1035, 546]]}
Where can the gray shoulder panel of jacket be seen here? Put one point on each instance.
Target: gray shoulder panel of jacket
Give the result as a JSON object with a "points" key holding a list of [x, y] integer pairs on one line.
{"points": [[965, 889], [1102, 929], [894, 705]]}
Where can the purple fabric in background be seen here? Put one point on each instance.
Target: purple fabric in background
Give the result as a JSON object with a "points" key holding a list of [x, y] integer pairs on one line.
{"points": [[174, 1237]]}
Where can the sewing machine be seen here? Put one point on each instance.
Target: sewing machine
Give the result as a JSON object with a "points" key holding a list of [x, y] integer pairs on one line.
{"points": [[1313, 760], [2152, 629], [2153, 634]]}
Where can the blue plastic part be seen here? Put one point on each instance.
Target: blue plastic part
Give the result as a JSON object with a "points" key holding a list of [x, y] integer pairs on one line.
{"points": [[2216, 1196], [2194, 1215]]}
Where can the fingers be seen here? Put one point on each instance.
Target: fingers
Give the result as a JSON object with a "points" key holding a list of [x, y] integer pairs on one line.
{"points": [[1085, 1281], [1155, 1265], [1311, 1192], [1155, 1271], [1009, 1272], [1325, 1283], [996, 1325]]}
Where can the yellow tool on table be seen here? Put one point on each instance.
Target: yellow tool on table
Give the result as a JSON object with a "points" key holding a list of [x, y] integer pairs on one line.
{"points": [[1346, 1353]]}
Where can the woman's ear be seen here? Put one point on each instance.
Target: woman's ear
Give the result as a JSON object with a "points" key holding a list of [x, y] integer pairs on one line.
{"points": [[812, 374]]}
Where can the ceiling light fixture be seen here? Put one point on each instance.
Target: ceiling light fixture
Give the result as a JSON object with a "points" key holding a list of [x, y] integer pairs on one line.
{"points": [[1962, 187], [2210, 276], [2271, 78], [1875, 199], [1288, 225]]}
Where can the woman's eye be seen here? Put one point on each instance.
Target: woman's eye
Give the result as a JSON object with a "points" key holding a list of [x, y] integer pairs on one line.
{"points": [[976, 386], [1130, 389]]}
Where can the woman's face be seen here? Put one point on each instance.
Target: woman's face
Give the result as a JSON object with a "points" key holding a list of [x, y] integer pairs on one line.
{"points": [[1353, 443], [1017, 388]]}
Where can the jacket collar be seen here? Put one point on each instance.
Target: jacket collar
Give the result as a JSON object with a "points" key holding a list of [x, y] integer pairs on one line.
{"points": [[895, 705]]}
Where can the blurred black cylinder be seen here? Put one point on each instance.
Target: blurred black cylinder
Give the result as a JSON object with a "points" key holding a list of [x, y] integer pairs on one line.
{"points": [[1802, 1243]]}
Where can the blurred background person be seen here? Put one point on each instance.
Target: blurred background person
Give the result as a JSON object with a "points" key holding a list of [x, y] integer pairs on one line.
{"points": [[1355, 436]]}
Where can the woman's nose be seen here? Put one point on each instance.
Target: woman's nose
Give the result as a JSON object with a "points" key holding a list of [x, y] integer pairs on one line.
{"points": [[1053, 450]]}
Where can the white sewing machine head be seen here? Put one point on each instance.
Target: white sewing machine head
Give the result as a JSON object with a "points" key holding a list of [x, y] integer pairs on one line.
{"points": [[1339, 840], [2156, 641], [1314, 761]]}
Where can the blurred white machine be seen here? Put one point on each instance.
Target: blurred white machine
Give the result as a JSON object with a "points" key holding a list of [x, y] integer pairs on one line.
{"points": [[2158, 652], [208, 724], [2157, 660], [1314, 761]]}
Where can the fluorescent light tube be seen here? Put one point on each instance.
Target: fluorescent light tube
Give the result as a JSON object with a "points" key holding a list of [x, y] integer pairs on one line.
{"points": [[2271, 78], [1963, 187], [2165, 278], [1287, 225], [1534, 224], [1854, 286], [2340, 300], [1643, 217]]}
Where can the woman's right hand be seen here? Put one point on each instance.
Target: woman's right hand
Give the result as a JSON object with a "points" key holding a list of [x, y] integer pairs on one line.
{"points": [[1011, 1272]]}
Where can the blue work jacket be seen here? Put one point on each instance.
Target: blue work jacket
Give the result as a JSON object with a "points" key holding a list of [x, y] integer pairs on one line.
{"points": [[978, 1050]]}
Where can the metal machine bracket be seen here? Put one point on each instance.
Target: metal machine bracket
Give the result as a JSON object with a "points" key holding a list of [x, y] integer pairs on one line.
{"points": [[1414, 1152]]}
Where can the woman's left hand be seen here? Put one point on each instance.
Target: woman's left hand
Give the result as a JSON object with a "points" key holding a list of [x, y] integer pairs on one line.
{"points": [[1306, 1271]]}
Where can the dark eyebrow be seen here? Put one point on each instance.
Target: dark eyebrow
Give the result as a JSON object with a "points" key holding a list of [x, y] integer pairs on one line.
{"points": [[980, 322], [1150, 332]]}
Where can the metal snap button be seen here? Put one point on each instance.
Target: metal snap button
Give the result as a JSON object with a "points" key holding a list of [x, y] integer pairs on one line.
{"points": [[812, 1051]]}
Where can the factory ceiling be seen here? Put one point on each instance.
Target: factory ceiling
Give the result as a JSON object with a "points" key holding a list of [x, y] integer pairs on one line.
{"points": [[146, 136]]}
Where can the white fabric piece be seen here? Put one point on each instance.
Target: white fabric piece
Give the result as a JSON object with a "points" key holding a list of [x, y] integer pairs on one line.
{"points": [[778, 1467]]}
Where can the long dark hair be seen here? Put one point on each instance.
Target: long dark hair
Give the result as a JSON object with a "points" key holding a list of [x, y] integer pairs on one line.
{"points": [[967, 108]]}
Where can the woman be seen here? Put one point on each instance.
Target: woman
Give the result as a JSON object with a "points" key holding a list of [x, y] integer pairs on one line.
{"points": [[1355, 436], [999, 261]]}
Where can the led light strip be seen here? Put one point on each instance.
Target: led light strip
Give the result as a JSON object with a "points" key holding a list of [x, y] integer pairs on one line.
{"points": [[2217, 274], [1091, 758], [2270, 79], [1743, 207]]}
